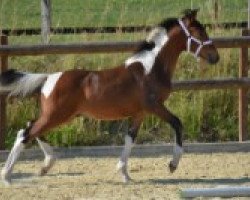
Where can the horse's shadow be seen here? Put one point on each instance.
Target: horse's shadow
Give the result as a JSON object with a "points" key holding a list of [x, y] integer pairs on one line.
{"points": [[66, 174], [24, 176], [216, 181], [171, 181], [213, 181]]}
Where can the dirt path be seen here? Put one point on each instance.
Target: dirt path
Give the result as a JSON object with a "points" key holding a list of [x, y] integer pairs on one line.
{"points": [[95, 178]]}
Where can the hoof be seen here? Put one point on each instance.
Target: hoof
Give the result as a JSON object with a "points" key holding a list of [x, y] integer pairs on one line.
{"points": [[43, 171], [49, 164], [5, 177], [172, 167], [126, 179], [121, 167]]}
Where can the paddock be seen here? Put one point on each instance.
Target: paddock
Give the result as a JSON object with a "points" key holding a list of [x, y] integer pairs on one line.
{"points": [[95, 177]]}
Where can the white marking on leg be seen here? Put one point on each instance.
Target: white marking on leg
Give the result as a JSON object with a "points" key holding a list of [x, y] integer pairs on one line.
{"points": [[50, 84], [122, 164], [49, 156], [177, 153], [127, 149], [13, 156], [146, 57]]}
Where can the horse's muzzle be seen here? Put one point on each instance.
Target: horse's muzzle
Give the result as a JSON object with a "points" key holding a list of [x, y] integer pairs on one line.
{"points": [[213, 58]]}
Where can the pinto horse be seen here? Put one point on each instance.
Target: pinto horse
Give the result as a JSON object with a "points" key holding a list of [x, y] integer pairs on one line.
{"points": [[133, 90]]}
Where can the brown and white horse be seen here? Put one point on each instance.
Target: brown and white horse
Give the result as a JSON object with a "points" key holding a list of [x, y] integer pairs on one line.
{"points": [[133, 90]]}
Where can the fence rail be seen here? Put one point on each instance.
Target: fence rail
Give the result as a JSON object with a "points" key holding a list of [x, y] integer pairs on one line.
{"points": [[225, 83], [109, 29], [207, 84], [102, 47], [110, 47]]}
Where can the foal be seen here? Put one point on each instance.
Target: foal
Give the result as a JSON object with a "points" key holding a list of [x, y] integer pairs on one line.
{"points": [[134, 89]]}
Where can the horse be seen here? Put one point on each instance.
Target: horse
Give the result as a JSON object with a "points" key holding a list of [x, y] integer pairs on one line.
{"points": [[133, 90]]}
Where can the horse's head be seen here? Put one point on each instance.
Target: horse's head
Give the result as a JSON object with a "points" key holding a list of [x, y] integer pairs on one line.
{"points": [[197, 40]]}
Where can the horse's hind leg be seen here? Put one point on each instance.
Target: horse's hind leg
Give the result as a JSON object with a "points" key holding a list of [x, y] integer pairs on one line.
{"points": [[38, 128], [49, 159], [13, 156], [129, 140], [35, 130]]}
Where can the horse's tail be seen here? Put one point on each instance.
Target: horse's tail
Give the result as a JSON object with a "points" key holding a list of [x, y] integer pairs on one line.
{"points": [[21, 84]]}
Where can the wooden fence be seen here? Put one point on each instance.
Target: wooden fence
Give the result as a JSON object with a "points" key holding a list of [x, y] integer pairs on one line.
{"points": [[114, 47]]}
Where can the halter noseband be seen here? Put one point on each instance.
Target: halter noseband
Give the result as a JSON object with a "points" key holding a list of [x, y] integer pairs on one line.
{"points": [[191, 38]]}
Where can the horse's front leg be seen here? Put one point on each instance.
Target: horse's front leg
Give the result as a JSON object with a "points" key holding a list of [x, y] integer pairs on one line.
{"points": [[129, 140], [161, 111]]}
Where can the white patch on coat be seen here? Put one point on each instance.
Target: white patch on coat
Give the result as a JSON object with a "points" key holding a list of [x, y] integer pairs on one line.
{"points": [[46, 148], [48, 153], [123, 162], [13, 156], [178, 151], [125, 153], [146, 57], [127, 148], [50, 84], [120, 165]]}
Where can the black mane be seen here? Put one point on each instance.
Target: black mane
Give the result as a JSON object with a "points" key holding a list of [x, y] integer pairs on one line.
{"points": [[145, 45], [169, 23]]}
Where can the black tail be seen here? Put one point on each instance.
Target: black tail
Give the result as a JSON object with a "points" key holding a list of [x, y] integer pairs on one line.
{"points": [[10, 76], [21, 84]]}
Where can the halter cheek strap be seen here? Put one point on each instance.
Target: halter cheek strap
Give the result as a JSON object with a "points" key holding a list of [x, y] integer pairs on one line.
{"points": [[191, 38]]}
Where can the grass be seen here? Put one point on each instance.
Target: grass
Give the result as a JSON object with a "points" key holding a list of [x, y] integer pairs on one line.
{"points": [[206, 115], [26, 13]]}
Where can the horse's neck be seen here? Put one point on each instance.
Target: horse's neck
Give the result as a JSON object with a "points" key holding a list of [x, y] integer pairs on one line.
{"points": [[167, 58]]}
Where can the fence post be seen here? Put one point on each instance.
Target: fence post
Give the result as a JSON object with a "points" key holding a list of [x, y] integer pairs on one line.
{"points": [[216, 17], [216, 8], [243, 99], [3, 67], [46, 20]]}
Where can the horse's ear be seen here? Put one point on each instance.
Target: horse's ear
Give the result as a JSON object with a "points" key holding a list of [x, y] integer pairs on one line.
{"points": [[190, 14]]}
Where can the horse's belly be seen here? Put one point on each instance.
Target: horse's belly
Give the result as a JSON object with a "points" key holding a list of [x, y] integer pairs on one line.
{"points": [[111, 111]]}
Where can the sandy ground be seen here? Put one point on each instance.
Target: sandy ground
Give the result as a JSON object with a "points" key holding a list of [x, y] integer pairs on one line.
{"points": [[96, 178]]}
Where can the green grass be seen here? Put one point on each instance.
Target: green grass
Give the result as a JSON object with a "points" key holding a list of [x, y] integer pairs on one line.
{"points": [[26, 13], [206, 115]]}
